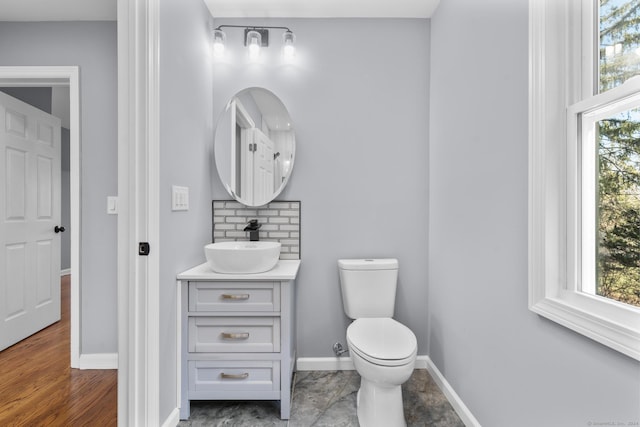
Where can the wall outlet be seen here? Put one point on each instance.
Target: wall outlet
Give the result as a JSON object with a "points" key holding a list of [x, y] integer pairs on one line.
{"points": [[179, 198]]}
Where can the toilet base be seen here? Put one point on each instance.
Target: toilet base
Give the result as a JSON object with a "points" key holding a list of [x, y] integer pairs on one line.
{"points": [[380, 406]]}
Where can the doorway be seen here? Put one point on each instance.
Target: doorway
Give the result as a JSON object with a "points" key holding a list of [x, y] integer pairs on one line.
{"points": [[59, 76]]}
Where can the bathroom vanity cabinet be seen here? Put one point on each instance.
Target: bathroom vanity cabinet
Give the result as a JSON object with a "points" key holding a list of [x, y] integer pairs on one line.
{"points": [[237, 335]]}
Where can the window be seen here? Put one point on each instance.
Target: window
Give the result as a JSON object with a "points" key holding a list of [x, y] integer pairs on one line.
{"points": [[616, 142], [584, 234]]}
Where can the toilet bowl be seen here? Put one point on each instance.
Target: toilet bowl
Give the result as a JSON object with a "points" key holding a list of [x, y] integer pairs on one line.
{"points": [[384, 354]]}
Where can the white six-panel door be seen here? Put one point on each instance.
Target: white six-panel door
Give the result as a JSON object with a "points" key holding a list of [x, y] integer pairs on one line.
{"points": [[29, 212], [263, 178]]}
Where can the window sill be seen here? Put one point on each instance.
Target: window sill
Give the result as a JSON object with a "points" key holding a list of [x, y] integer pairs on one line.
{"points": [[618, 327]]}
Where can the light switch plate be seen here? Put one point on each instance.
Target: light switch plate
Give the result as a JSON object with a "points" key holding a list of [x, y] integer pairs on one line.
{"points": [[112, 205], [179, 198]]}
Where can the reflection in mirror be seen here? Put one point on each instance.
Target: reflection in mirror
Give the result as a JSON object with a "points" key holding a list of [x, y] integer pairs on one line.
{"points": [[254, 146]]}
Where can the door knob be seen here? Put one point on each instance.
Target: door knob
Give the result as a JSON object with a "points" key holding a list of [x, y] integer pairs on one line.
{"points": [[58, 229]]}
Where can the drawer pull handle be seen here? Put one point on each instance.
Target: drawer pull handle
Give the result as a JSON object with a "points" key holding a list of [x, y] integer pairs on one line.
{"points": [[235, 296], [235, 335], [234, 376]]}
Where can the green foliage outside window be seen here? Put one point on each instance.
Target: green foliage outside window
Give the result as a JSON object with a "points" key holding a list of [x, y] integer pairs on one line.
{"points": [[619, 157]]}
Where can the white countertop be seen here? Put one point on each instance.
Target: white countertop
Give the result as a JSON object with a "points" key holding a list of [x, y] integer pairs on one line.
{"points": [[284, 270]]}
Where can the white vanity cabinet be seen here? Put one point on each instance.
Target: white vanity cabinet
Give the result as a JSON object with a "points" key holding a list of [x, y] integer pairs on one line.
{"points": [[237, 335]]}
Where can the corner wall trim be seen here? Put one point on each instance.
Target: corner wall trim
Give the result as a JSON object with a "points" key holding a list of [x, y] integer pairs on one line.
{"points": [[98, 361], [422, 362]]}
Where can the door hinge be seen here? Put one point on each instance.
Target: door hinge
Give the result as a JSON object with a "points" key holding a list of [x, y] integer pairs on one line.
{"points": [[143, 248]]}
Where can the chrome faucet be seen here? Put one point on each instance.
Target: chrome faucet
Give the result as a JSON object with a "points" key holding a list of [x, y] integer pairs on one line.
{"points": [[252, 227]]}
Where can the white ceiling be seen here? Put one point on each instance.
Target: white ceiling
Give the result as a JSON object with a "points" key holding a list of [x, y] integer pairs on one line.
{"points": [[105, 10], [322, 8], [57, 10]]}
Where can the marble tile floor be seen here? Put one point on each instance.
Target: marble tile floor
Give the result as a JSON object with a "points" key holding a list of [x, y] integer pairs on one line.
{"points": [[327, 399]]}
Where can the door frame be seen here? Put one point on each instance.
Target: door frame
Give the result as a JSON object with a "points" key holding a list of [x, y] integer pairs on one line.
{"points": [[138, 212], [33, 76]]}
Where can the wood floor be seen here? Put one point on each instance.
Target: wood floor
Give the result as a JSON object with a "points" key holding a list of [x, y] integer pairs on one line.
{"points": [[38, 388]]}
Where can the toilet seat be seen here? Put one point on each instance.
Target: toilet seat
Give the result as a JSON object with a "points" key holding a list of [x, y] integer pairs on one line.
{"points": [[382, 341]]}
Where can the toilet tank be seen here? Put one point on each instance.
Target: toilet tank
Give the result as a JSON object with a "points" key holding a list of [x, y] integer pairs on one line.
{"points": [[368, 286]]}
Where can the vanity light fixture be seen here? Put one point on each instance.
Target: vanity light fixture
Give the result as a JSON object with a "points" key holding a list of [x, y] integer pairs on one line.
{"points": [[254, 39]]}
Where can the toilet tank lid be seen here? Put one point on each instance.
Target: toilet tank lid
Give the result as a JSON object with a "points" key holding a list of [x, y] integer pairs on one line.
{"points": [[368, 264]]}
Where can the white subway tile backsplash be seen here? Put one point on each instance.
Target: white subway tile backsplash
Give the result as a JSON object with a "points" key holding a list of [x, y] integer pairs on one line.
{"points": [[236, 234], [270, 227], [289, 242], [236, 219], [278, 235], [279, 205], [247, 212], [280, 222], [222, 226]]}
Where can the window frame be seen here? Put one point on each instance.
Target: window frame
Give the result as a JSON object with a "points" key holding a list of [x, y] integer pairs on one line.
{"points": [[562, 80]]}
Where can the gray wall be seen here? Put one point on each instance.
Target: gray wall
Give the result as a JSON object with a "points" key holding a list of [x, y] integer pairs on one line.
{"points": [[39, 97], [92, 47], [508, 365], [358, 98], [186, 134]]}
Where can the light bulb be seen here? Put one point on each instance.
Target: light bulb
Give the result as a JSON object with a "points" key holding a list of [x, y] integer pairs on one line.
{"points": [[289, 49], [254, 40], [218, 43]]}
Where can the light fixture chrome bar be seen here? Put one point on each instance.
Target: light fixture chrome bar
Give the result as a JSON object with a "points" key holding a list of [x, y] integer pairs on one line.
{"points": [[254, 38]]}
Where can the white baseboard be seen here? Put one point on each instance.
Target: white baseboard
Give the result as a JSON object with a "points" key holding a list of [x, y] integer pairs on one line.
{"points": [[341, 363], [173, 419], [65, 272], [458, 405], [98, 361], [422, 362], [324, 364]]}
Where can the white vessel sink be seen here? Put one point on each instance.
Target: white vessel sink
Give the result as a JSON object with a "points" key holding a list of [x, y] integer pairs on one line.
{"points": [[242, 257]]}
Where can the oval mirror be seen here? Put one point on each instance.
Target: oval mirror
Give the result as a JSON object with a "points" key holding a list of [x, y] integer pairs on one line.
{"points": [[254, 146]]}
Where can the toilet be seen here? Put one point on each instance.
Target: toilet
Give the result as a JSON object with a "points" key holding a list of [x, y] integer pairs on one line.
{"points": [[383, 350]]}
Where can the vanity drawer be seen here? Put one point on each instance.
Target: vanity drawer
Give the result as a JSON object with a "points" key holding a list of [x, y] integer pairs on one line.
{"points": [[234, 296], [209, 334], [234, 376]]}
